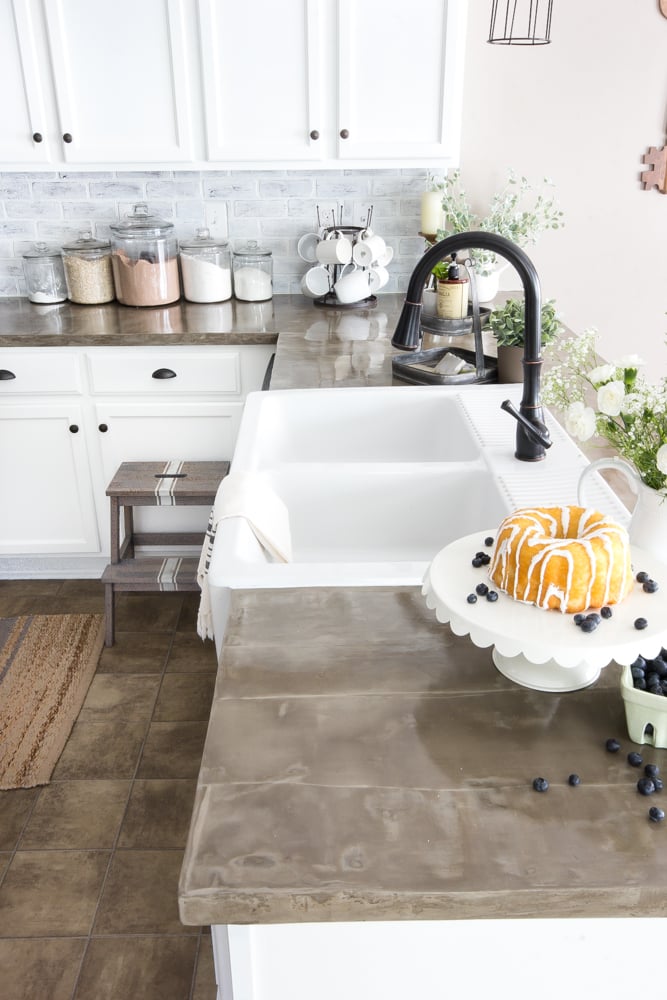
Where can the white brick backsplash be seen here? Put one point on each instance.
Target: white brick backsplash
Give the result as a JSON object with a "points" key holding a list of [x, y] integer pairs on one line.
{"points": [[274, 207]]}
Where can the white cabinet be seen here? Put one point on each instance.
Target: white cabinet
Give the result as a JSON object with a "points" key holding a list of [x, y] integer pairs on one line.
{"points": [[92, 82], [70, 416], [322, 80]]}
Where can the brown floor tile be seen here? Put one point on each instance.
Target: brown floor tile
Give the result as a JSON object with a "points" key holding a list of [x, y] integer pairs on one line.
{"points": [[4, 861], [15, 806], [119, 697], [147, 612], [59, 604], [158, 814], [40, 968], [101, 750], [70, 589], [190, 654], [205, 986], [135, 653], [141, 895], [187, 621], [173, 750], [185, 698], [150, 968], [29, 588], [51, 893], [76, 815]]}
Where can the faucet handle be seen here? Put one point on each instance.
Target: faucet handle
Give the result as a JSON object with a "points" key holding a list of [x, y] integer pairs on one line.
{"points": [[536, 429]]}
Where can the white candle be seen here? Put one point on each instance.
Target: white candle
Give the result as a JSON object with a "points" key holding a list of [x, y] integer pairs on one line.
{"points": [[431, 214]]}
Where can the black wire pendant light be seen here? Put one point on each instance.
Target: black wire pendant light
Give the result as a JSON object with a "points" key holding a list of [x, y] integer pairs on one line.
{"points": [[520, 22]]}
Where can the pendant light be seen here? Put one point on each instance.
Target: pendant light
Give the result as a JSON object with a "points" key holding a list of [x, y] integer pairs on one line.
{"points": [[520, 22]]}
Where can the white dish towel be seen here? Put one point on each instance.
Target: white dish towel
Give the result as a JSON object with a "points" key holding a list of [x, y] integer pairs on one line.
{"points": [[243, 494]]}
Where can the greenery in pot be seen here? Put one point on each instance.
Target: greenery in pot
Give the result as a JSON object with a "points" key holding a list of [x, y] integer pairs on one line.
{"points": [[520, 212], [508, 323]]}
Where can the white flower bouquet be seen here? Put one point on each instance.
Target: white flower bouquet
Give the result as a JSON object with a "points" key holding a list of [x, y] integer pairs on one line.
{"points": [[612, 401]]}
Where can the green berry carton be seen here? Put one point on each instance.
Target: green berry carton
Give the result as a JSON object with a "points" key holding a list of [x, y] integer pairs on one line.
{"points": [[644, 710]]}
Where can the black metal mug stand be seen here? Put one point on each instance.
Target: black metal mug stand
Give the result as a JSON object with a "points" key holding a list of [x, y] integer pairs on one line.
{"points": [[330, 300]]}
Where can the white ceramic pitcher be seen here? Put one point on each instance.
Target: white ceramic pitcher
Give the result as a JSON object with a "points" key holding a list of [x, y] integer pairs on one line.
{"points": [[648, 525]]}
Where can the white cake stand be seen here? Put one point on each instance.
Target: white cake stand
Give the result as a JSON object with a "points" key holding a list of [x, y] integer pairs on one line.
{"points": [[538, 649]]}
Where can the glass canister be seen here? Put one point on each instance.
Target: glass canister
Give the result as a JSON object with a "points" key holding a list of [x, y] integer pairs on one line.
{"points": [[88, 273], [206, 268], [253, 273], [44, 274], [144, 258]]}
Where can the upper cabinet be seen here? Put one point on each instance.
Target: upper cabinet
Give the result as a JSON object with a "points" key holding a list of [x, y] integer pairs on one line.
{"points": [[161, 83]]}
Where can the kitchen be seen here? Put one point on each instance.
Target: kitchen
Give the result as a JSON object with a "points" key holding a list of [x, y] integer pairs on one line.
{"points": [[556, 110]]}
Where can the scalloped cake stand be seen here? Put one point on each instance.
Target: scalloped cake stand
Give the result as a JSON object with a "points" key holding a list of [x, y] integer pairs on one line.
{"points": [[544, 650]]}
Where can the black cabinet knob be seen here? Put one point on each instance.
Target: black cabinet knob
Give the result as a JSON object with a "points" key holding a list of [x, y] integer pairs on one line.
{"points": [[163, 373], [344, 133], [314, 134], [67, 137], [37, 136], [103, 428], [74, 428], [6, 375]]}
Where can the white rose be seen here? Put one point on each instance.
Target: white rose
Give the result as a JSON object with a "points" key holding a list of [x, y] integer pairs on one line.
{"points": [[661, 458], [630, 361], [580, 421], [603, 373], [610, 398]]}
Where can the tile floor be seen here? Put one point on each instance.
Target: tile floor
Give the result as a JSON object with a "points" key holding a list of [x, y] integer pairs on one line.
{"points": [[89, 864]]}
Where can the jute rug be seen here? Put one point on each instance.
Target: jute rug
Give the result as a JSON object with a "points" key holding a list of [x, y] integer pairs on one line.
{"points": [[46, 665]]}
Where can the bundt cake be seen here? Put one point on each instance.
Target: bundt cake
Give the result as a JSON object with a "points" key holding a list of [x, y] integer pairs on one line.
{"points": [[569, 558]]}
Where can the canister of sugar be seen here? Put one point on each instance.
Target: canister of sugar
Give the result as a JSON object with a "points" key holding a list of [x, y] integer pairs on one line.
{"points": [[253, 272], [206, 268]]}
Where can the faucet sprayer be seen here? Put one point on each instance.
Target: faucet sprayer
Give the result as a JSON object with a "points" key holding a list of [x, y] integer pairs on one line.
{"points": [[532, 436]]}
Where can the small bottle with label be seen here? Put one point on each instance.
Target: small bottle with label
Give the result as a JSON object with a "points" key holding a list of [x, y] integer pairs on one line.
{"points": [[453, 293]]}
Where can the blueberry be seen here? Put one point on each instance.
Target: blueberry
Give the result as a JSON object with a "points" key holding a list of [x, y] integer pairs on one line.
{"points": [[650, 586], [655, 689], [488, 540], [612, 745], [645, 786], [579, 618], [642, 577], [588, 625], [492, 596], [574, 780], [640, 623], [540, 784], [635, 759], [651, 770], [637, 673], [639, 684], [471, 598], [652, 679], [606, 611], [477, 562], [482, 589], [655, 814], [659, 666], [639, 662], [658, 783]]}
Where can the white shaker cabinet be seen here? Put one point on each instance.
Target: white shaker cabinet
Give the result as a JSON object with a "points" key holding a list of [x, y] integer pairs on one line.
{"points": [[93, 82], [312, 81]]}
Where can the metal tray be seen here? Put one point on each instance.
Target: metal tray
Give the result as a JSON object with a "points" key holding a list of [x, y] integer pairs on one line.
{"points": [[453, 327], [418, 368]]}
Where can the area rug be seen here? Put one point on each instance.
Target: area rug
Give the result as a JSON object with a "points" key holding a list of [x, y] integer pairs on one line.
{"points": [[46, 665]]}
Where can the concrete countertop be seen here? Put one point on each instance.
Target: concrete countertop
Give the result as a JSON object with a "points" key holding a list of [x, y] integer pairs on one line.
{"points": [[364, 763]]}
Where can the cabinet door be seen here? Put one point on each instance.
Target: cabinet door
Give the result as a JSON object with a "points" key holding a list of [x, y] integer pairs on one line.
{"points": [[161, 431], [23, 124], [46, 501], [262, 66], [121, 79], [400, 79]]}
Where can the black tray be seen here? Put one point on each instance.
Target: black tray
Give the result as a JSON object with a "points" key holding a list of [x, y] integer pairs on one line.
{"points": [[418, 368], [453, 327]]}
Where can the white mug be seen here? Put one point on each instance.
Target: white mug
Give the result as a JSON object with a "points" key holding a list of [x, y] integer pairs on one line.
{"points": [[307, 246], [352, 286], [315, 282], [336, 249], [368, 248], [386, 258], [377, 277]]}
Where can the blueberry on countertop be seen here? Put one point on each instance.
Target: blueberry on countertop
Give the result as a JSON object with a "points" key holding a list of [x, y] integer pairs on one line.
{"points": [[540, 784], [650, 586], [612, 745], [645, 786], [606, 611], [574, 780], [651, 770], [471, 598], [492, 596], [658, 783], [635, 759], [579, 618], [640, 623], [482, 589], [656, 814], [642, 577], [589, 625], [477, 562]]}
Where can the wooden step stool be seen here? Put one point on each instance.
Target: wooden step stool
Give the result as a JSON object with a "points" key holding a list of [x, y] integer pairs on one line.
{"points": [[154, 484]]}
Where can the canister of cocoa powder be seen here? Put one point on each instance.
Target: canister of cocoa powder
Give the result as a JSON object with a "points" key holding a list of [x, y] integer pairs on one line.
{"points": [[144, 258]]}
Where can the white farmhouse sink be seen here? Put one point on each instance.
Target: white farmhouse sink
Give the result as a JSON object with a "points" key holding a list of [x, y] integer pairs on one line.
{"points": [[376, 481]]}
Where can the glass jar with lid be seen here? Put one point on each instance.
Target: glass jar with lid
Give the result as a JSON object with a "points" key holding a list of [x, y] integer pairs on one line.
{"points": [[88, 273], [44, 274], [253, 273], [144, 258], [206, 268]]}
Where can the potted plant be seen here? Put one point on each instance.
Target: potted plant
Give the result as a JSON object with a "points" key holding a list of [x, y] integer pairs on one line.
{"points": [[508, 325], [520, 211]]}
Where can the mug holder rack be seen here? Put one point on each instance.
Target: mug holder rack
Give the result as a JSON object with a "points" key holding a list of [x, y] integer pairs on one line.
{"points": [[330, 300]]}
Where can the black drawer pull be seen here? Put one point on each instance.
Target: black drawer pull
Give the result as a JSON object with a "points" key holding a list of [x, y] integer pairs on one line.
{"points": [[103, 428], [163, 373], [67, 137], [170, 475], [74, 428], [37, 136], [6, 375]]}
